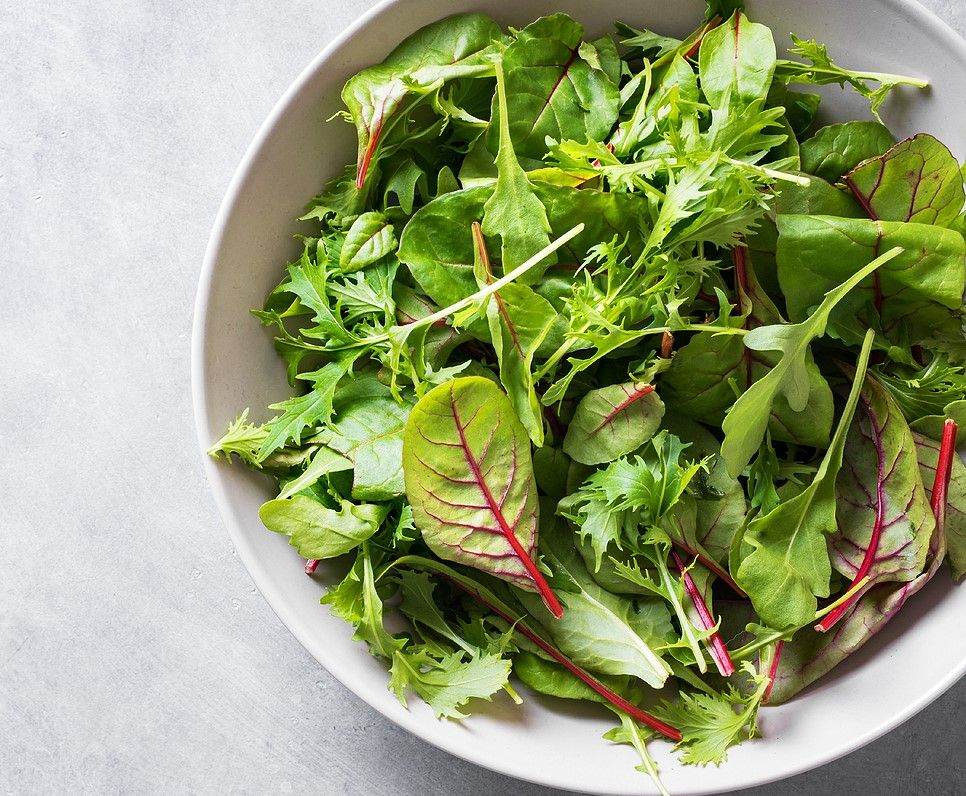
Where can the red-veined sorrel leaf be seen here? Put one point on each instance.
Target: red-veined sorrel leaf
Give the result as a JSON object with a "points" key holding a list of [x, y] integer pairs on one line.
{"points": [[612, 422], [917, 180], [469, 478], [884, 519]]}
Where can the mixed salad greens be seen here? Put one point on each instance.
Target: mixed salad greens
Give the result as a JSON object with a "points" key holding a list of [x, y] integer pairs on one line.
{"points": [[617, 375]]}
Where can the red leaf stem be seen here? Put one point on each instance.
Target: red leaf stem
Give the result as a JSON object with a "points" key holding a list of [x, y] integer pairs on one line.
{"points": [[944, 472], [713, 567], [716, 646], [311, 565], [615, 699], [773, 670]]}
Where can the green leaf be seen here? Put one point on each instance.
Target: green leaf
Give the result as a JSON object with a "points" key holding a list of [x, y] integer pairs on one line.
{"points": [[317, 531], [915, 296], [369, 432], [513, 213], [707, 371], [469, 478], [552, 92], [747, 420], [241, 438], [600, 631], [460, 46], [917, 180], [419, 604], [324, 461], [446, 683], [369, 239], [736, 62], [552, 679], [613, 421], [788, 566], [838, 148], [711, 724], [821, 71]]}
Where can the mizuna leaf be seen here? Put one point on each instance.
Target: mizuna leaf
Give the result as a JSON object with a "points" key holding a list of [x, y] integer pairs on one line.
{"points": [[788, 566], [927, 450], [552, 91], [747, 420], [469, 478], [612, 422], [370, 238], [838, 148], [917, 180], [883, 514], [317, 531]]}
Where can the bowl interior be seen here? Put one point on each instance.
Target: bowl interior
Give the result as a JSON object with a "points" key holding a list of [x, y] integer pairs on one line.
{"points": [[911, 662]]}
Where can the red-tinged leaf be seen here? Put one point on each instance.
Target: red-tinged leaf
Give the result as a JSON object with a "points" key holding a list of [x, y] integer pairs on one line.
{"points": [[954, 504], [917, 180], [469, 478], [884, 518], [612, 422], [716, 646]]}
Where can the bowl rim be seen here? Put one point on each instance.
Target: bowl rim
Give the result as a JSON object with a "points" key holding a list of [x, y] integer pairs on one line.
{"points": [[263, 580]]}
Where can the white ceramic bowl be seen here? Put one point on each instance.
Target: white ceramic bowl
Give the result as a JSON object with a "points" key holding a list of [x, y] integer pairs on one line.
{"points": [[917, 657]]}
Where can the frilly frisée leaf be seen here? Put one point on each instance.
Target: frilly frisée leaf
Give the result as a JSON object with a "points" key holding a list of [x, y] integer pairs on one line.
{"points": [[469, 478]]}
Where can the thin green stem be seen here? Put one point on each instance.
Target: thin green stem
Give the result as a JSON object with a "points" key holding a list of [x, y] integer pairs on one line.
{"points": [[667, 582]]}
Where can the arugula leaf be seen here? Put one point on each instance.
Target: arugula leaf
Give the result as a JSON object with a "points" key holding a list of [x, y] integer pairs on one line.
{"points": [[821, 71], [746, 421], [917, 180], [788, 566], [317, 531], [469, 478], [613, 421]]}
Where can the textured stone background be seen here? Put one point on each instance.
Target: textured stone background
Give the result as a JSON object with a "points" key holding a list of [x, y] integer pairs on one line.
{"points": [[135, 654]]}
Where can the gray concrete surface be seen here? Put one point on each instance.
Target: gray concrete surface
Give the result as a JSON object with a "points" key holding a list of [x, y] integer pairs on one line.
{"points": [[135, 654]]}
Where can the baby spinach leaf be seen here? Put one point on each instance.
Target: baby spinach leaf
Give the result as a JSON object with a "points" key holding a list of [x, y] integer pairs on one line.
{"points": [[747, 419], [317, 531], [370, 238], [927, 450], [838, 148], [600, 631], [613, 421], [460, 46], [736, 62], [369, 433], [469, 478], [788, 566], [446, 682], [883, 515], [552, 91], [917, 180], [915, 296]]}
